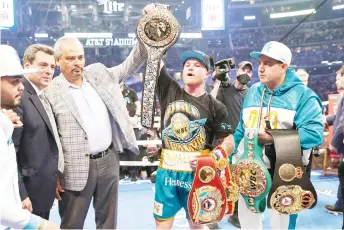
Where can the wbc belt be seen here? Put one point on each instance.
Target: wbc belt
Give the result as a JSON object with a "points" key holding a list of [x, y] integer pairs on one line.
{"points": [[250, 174], [292, 190]]}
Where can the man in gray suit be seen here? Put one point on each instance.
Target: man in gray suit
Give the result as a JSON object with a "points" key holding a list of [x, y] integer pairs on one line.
{"points": [[94, 126]]}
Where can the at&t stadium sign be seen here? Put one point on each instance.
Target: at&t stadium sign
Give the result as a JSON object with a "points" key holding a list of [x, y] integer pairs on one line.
{"points": [[100, 42]]}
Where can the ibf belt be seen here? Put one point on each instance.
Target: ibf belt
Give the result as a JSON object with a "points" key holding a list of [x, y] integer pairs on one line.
{"points": [[250, 174], [178, 161], [207, 198], [158, 31], [292, 190]]}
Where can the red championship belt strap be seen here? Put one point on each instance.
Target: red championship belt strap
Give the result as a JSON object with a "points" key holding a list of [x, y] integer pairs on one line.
{"points": [[207, 198], [232, 191]]}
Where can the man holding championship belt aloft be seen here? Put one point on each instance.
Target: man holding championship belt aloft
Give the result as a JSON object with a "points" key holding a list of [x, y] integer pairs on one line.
{"points": [[191, 120]]}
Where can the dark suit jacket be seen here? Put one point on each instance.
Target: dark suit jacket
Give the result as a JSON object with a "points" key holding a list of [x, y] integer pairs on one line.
{"points": [[37, 152], [337, 121]]}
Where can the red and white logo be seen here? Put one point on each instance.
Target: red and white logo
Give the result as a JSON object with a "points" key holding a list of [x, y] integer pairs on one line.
{"points": [[3, 16]]}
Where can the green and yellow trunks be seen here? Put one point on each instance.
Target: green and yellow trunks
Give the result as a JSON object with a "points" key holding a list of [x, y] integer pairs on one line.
{"points": [[173, 183]]}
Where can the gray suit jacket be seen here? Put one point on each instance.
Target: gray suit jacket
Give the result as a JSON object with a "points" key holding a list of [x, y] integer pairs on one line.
{"points": [[70, 125]]}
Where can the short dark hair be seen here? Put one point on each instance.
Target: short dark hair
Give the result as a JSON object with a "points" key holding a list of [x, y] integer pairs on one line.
{"points": [[341, 71], [30, 52]]}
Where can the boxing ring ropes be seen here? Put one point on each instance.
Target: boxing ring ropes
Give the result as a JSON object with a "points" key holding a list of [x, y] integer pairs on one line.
{"points": [[143, 162], [323, 151]]}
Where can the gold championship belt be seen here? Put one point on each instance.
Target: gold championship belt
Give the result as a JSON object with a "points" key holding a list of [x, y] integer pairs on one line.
{"points": [[158, 31], [292, 190], [212, 194]]}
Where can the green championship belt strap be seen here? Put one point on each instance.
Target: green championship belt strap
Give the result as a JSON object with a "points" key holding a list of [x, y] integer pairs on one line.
{"points": [[292, 190], [250, 173]]}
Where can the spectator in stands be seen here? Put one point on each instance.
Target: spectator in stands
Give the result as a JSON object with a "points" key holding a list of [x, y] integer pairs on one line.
{"points": [[303, 75]]}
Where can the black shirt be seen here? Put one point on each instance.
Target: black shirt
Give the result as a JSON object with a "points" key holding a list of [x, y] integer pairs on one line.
{"points": [[189, 123], [232, 98]]}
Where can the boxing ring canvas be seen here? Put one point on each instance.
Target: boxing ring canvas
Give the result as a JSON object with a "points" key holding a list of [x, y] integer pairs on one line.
{"points": [[136, 205]]}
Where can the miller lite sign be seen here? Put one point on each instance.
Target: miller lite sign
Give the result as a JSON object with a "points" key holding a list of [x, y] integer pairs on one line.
{"points": [[111, 6]]}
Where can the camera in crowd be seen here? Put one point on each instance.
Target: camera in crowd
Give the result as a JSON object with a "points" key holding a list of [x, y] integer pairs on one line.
{"points": [[222, 67]]}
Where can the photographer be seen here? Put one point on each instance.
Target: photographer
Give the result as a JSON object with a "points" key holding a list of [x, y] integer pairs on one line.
{"points": [[232, 94]]}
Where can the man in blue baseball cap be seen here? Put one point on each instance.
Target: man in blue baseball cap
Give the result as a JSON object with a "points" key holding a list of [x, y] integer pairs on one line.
{"points": [[190, 120], [283, 101]]}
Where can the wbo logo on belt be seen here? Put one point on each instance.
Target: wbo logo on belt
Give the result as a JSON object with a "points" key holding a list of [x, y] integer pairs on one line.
{"points": [[213, 193]]}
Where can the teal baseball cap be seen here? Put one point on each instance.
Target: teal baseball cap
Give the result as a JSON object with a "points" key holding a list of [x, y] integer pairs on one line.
{"points": [[196, 54]]}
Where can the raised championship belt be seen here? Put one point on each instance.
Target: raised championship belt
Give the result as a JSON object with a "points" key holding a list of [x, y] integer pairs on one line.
{"points": [[158, 31], [207, 198], [292, 190], [251, 175]]}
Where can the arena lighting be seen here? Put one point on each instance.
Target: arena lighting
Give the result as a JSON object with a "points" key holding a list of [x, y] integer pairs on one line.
{"points": [[89, 35], [182, 35], [338, 7], [332, 63], [292, 13], [250, 17], [191, 35], [131, 35], [41, 35]]}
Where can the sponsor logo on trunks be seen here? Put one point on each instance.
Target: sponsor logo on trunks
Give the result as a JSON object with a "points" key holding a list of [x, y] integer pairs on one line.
{"points": [[158, 207], [177, 183]]}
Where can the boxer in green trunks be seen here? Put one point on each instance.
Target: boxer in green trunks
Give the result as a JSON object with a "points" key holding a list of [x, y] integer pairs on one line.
{"points": [[192, 123]]}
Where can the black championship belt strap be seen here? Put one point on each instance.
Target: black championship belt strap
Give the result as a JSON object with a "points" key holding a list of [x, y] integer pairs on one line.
{"points": [[292, 190]]}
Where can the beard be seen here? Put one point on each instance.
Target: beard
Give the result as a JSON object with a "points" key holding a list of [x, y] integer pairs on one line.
{"points": [[7, 103]]}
